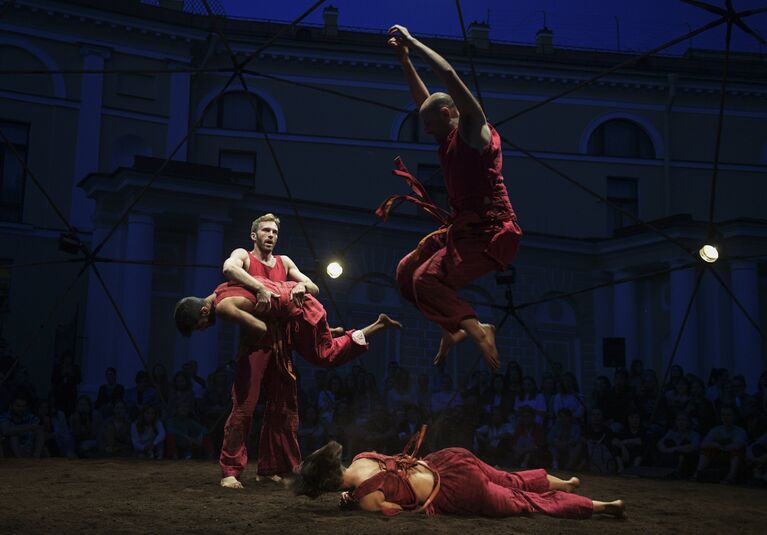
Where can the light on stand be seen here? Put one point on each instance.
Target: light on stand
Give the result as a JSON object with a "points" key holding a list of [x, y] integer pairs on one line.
{"points": [[709, 253], [334, 270]]}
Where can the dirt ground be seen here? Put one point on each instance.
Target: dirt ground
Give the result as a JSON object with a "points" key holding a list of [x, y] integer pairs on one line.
{"points": [[135, 496]]}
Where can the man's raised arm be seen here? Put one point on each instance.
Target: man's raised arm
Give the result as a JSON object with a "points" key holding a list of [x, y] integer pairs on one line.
{"points": [[473, 123], [234, 270], [418, 89]]}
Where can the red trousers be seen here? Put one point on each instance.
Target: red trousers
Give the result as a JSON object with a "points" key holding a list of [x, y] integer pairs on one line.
{"points": [[278, 450], [472, 487], [430, 276]]}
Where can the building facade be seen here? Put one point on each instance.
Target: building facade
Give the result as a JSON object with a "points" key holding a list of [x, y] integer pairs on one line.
{"points": [[117, 89]]}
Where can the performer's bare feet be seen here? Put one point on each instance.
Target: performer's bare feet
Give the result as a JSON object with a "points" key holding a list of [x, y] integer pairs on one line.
{"points": [[446, 344], [273, 478], [572, 484], [483, 335], [383, 322], [337, 331], [615, 508], [230, 482]]}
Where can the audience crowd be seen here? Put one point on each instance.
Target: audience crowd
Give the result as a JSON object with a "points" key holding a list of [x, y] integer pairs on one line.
{"points": [[629, 423]]}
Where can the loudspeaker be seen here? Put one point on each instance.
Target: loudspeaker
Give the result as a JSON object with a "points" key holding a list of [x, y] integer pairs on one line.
{"points": [[614, 352]]}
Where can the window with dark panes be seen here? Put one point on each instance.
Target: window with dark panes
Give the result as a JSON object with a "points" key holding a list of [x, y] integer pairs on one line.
{"points": [[12, 170]]}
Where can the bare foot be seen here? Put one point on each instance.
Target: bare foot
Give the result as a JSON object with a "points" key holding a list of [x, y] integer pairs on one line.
{"points": [[616, 509], [337, 331], [446, 344], [230, 482], [572, 484], [273, 478], [387, 322], [487, 346]]}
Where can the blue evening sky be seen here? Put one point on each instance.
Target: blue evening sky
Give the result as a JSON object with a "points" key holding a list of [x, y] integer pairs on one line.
{"points": [[578, 23]]}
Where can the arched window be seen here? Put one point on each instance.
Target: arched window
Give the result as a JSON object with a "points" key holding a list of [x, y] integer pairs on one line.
{"points": [[240, 111], [411, 130], [13, 58], [621, 138]]}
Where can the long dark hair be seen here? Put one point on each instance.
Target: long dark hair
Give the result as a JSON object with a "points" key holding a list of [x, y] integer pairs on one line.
{"points": [[320, 472]]}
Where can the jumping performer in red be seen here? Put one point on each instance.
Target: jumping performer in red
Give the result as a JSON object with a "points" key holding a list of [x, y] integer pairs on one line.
{"points": [[480, 234], [450, 481]]}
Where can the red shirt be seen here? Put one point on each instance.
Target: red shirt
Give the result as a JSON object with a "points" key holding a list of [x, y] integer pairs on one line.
{"points": [[473, 178], [276, 273]]}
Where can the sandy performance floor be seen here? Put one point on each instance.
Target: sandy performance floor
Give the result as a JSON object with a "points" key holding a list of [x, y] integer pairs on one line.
{"points": [[133, 496]]}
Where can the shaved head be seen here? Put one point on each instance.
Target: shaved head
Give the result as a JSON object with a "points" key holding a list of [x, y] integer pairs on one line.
{"points": [[436, 101]]}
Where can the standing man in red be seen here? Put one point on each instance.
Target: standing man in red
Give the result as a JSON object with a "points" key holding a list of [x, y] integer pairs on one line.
{"points": [[482, 234], [257, 364]]}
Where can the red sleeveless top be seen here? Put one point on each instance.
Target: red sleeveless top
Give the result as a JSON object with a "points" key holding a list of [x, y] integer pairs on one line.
{"points": [[276, 273], [392, 482], [473, 178]]}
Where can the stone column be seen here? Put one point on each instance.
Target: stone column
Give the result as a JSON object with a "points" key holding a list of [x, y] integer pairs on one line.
{"points": [[136, 294], [208, 250], [101, 324], [178, 121], [747, 344], [88, 134], [682, 284], [625, 314]]}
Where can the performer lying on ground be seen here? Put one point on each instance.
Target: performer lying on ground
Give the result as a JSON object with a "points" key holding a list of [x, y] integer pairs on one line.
{"points": [[481, 234], [449, 481]]}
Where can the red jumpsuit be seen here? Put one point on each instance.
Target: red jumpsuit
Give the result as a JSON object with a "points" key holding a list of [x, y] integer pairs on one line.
{"points": [[481, 236], [468, 486], [310, 336]]}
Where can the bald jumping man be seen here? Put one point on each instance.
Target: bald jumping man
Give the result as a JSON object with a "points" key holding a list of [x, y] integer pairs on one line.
{"points": [[482, 235]]}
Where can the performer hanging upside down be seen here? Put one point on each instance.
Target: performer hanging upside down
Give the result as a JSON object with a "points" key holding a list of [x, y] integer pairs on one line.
{"points": [[450, 481], [481, 234], [265, 359]]}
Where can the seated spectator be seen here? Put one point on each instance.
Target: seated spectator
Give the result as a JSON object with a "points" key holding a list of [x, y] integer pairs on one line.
{"points": [[602, 395], [530, 397], [218, 395], [58, 439], [186, 438], [724, 444], [116, 439], [679, 447], [142, 394], [528, 441], [446, 396], [716, 381], [377, 432], [623, 397], [312, 431], [402, 394], [368, 396], [699, 408], [329, 398], [85, 425], [756, 456], [21, 430], [549, 391], [159, 380], [22, 386], [513, 379], [180, 392], [423, 393], [148, 434], [636, 374], [64, 380], [675, 374], [109, 393], [198, 383], [409, 425], [565, 444], [567, 397], [599, 437], [493, 441], [677, 398], [631, 443]]}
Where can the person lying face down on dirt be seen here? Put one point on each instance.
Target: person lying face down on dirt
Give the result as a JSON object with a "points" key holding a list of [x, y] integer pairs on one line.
{"points": [[451, 481]]}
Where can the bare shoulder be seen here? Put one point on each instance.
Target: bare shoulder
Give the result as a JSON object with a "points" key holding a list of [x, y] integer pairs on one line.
{"points": [[287, 261], [372, 501]]}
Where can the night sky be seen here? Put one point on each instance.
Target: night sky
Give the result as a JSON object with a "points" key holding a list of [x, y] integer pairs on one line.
{"points": [[576, 23]]}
